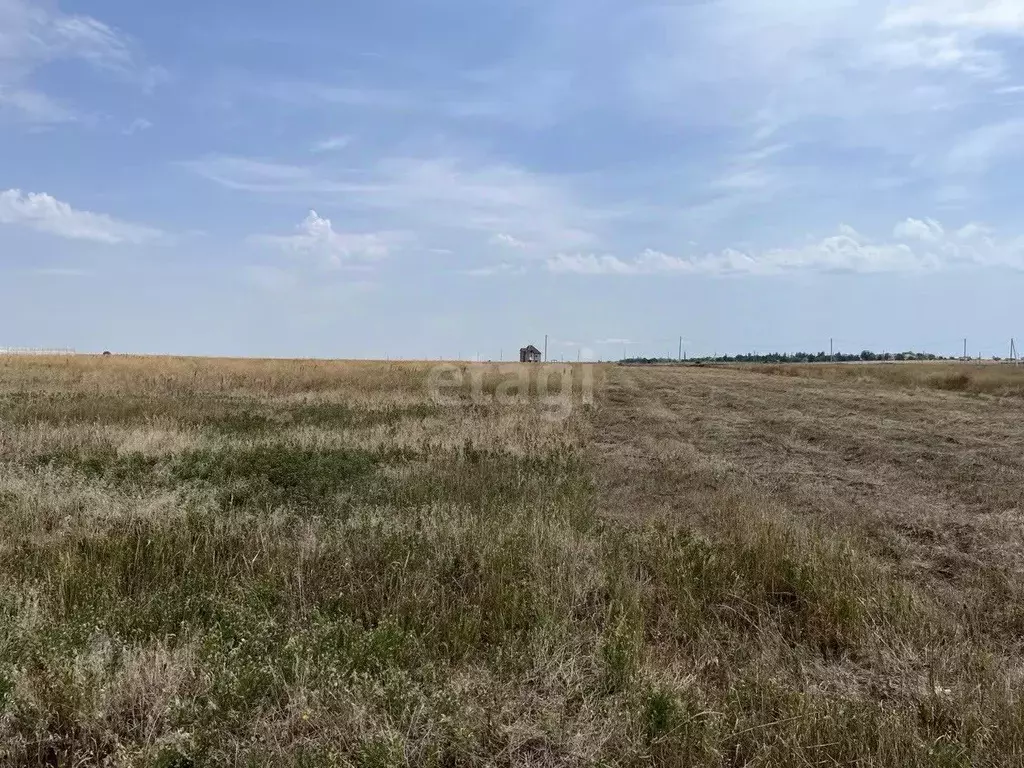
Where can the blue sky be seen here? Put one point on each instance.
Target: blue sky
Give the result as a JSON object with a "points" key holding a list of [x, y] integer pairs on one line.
{"points": [[442, 178]]}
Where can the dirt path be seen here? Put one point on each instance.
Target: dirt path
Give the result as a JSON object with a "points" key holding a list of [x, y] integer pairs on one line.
{"points": [[932, 481]]}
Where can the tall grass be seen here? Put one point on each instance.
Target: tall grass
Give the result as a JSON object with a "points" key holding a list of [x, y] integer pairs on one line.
{"points": [[236, 598]]}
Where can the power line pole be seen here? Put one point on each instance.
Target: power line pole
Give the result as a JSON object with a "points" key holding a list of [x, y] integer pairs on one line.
{"points": [[545, 347], [965, 349], [831, 350], [680, 349]]}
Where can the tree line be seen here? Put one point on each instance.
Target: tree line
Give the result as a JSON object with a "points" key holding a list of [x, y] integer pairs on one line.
{"points": [[796, 357]]}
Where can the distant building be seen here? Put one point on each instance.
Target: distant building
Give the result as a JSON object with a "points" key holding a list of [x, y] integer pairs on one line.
{"points": [[530, 354]]}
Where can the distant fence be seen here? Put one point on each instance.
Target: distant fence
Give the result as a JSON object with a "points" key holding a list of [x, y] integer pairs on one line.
{"points": [[34, 351]]}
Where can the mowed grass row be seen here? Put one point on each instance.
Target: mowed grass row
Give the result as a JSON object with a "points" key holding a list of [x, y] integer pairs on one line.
{"points": [[322, 564], [997, 379]]}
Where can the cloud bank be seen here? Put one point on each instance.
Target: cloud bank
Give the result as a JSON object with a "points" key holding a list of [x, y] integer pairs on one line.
{"points": [[44, 213], [915, 246]]}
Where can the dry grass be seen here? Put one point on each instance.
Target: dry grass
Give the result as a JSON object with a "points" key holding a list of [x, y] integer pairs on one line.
{"points": [[872, 537], [997, 379], [293, 563]]}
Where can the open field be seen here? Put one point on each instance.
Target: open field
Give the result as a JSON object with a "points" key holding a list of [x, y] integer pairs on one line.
{"points": [[297, 563], [999, 379]]}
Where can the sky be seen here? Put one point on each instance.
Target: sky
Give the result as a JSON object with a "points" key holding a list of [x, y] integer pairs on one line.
{"points": [[459, 178]]}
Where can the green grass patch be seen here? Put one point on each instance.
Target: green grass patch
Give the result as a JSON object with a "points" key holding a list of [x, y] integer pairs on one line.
{"points": [[258, 477], [273, 476], [231, 415]]}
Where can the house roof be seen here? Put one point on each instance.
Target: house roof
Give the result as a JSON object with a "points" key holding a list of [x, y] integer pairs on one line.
{"points": [[530, 348]]}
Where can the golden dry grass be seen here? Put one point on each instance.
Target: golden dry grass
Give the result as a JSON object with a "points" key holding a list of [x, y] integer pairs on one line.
{"points": [[232, 562], [996, 379], [903, 503]]}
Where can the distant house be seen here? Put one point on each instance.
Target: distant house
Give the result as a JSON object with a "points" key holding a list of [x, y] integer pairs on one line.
{"points": [[529, 354]]}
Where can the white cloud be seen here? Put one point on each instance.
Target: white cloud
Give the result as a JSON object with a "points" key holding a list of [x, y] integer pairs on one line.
{"points": [[480, 196], [316, 237], [974, 231], [937, 52], [137, 125], [439, 194], [919, 246], [751, 171], [331, 144], [741, 179], [882, 74], [508, 241], [36, 107], [999, 16], [252, 175], [86, 38], [804, 88], [33, 34], [45, 213], [515, 92], [975, 152], [929, 231], [904, 80], [589, 264], [950, 34]]}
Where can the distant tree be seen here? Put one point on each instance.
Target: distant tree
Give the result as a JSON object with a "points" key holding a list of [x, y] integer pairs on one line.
{"points": [[783, 358]]}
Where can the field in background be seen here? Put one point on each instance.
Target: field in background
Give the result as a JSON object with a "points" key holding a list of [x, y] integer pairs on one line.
{"points": [[298, 563], [1000, 379]]}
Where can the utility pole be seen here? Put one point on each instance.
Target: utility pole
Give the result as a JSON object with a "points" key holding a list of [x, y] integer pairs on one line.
{"points": [[680, 349], [965, 349], [545, 347], [831, 351]]}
